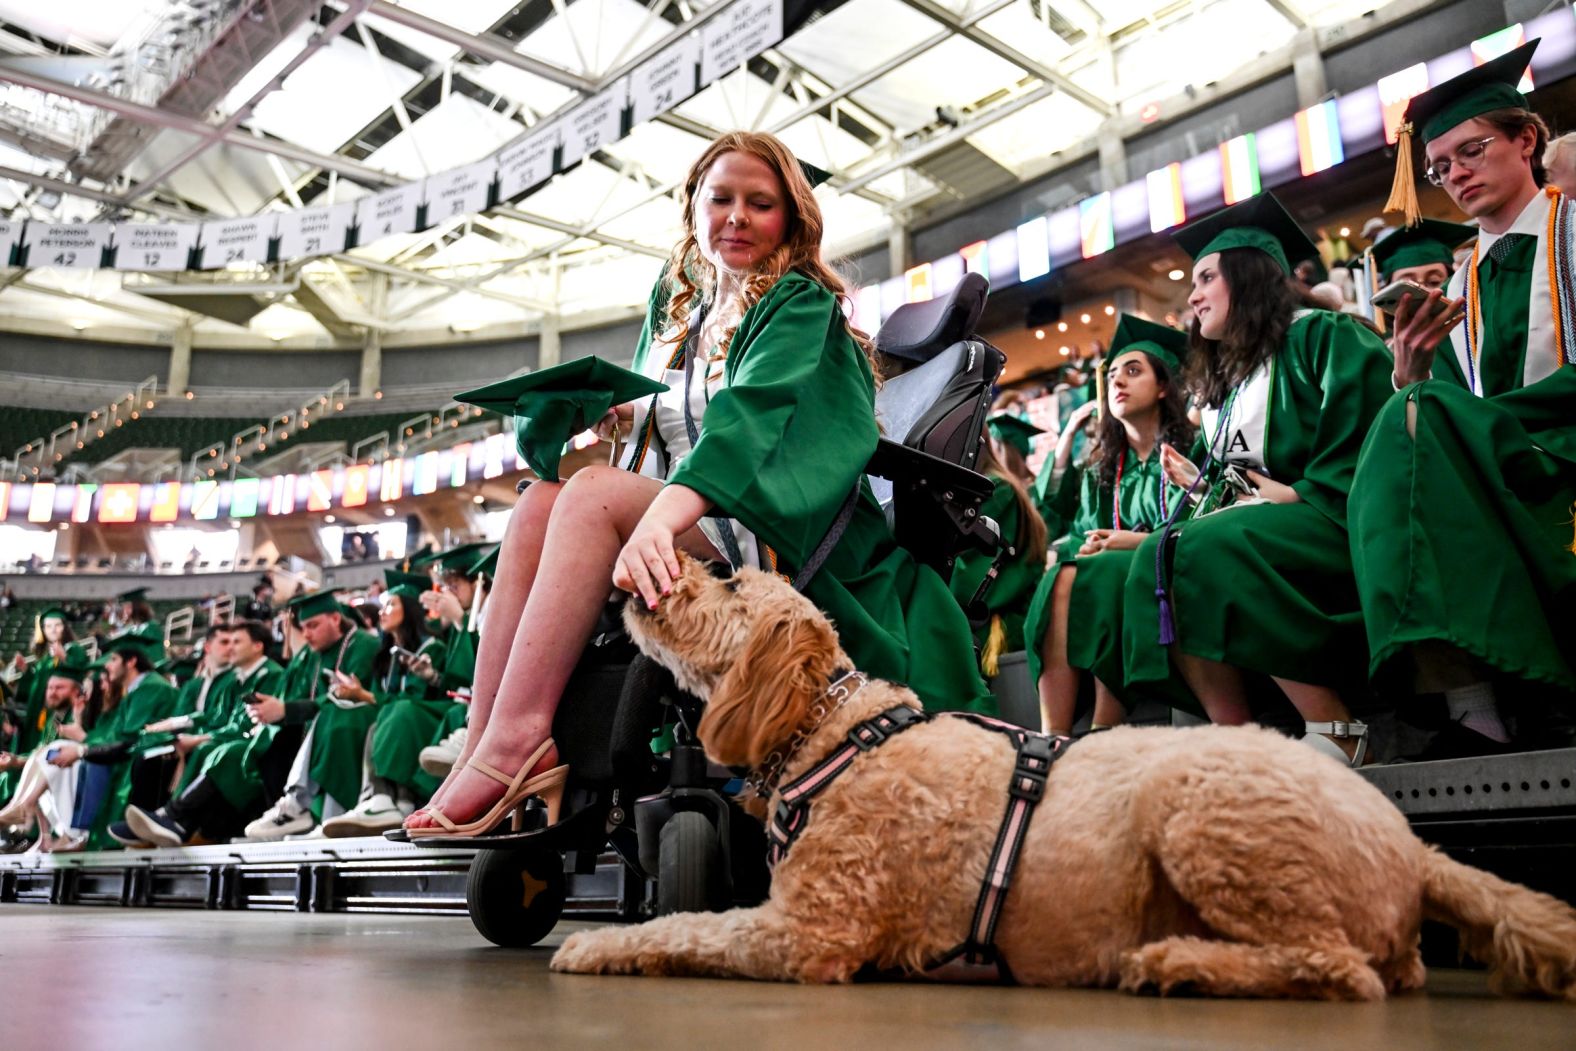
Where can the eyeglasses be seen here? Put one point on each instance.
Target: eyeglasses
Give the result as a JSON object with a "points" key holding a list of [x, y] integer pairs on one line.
{"points": [[1469, 155]]}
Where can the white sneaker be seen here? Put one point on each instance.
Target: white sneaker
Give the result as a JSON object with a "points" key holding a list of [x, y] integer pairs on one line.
{"points": [[316, 833], [438, 759], [370, 818], [284, 818]]}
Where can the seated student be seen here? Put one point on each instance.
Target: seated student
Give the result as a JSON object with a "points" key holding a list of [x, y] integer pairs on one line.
{"points": [[65, 704], [214, 789], [1263, 585], [324, 779], [1057, 486], [1461, 508], [752, 462], [470, 596], [131, 608], [80, 789], [410, 708], [54, 643], [1074, 620], [1423, 254], [1013, 511]]}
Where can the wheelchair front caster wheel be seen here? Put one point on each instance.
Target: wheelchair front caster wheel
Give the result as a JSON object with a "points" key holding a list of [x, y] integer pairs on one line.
{"points": [[689, 877], [515, 897]]}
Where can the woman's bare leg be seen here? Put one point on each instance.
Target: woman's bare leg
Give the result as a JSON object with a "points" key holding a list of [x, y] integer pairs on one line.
{"points": [[1058, 683], [1108, 711], [30, 787], [590, 518], [1217, 686], [1319, 704]]}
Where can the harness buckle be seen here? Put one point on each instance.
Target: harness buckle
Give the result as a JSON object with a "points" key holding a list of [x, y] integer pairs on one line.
{"points": [[874, 730], [1032, 768]]}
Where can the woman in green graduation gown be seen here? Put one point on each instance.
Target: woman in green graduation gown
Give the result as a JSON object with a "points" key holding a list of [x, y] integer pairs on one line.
{"points": [[782, 411], [1462, 504], [53, 644], [411, 706], [1074, 619], [1009, 505], [1264, 584]]}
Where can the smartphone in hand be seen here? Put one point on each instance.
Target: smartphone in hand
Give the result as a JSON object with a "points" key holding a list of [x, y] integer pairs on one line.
{"points": [[1389, 297]]}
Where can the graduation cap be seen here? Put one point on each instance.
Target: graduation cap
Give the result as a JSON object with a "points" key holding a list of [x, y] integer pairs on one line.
{"points": [[1260, 222], [312, 603], [1430, 241], [461, 559], [553, 405], [55, 612], [137, 594], [177, 665], [813, 175], [75, 667], [488, 563], [146, 639], [411, 585], [1163, 341], [417, 557], [1483, 89], [1013, 430]]}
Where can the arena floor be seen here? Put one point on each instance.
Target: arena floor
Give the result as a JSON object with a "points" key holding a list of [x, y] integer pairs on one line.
{"points": [[129, 979]]}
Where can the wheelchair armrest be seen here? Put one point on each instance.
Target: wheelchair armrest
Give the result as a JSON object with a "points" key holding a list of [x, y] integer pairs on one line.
{"points": [[936, 505], [902, 465]]}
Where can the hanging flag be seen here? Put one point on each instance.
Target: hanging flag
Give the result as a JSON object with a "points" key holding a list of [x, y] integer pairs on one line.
{"points": [[1319, 138], [1094, 223], [42, 507], [320, 490], [281, 495], [1239, 167], [205, 500], [243, 497], [976, 258], [82, 505], [166, 502], [1487, 49], [391, 479], [459, 464], [119, 504], [1166, 205], [917, 284], [1395, 91], [355, 494], [1034, 249], [426, 480]]}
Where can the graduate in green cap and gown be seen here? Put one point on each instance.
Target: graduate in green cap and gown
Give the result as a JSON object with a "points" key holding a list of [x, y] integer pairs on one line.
{"points": [[325, 776], [1424, 254], [1462, 506], [215, 738], [1013, 510], [410, 709], [763, 434], [54, 643], [66, 716], [1262, 583], [1074, 620]]}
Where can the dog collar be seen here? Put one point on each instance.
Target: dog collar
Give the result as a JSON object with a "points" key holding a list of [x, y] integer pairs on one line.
{"points": [[837, 693]]}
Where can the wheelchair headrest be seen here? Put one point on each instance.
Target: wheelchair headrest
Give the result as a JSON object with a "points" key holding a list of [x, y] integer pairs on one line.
{"points": [[920, 331]]}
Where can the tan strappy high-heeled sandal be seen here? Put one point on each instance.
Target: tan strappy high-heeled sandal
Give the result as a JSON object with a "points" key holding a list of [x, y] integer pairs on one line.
{"points": [[548, 786]]}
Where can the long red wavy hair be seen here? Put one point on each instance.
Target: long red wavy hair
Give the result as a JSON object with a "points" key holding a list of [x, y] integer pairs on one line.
{"points": [[691, 279]]}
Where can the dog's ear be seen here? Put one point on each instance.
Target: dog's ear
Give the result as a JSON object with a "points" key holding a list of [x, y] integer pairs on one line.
{"points": [[763, 699]]}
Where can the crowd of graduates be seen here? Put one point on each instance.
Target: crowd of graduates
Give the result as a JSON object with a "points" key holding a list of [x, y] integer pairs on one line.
{"points": [[335, 718], [1286, 513]]}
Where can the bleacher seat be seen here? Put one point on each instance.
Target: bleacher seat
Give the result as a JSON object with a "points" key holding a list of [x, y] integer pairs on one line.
{"points": [[192, 434]]}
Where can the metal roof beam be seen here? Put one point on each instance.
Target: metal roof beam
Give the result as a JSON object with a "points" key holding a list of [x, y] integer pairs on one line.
{"points": [[482, 46], [965, 28]]}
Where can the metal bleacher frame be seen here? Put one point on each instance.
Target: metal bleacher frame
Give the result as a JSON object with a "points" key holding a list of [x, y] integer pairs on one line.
{"points": [[341, 875]]}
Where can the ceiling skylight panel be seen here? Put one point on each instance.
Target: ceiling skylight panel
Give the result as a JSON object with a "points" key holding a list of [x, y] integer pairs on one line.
{"points": [[337, 92]]}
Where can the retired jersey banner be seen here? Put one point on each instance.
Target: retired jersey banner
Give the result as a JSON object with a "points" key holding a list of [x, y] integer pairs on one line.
{"points": [[737, 35], [316, 231], [388, 213], [155, 246], [10, 239], [460, 191], [596, 122], [74, 246], [527, 162], [665, 81], [237, 241]]}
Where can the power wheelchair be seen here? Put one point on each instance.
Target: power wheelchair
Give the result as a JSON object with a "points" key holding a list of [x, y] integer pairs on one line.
{"points": [[670, 818]]}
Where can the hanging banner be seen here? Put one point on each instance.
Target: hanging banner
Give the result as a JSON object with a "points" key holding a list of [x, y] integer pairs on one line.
{"points": [[316, 231], [526, 163], [237, 241], [459, 192], [738, 34], [154, 246], [10, 238], [393, 212], [665, 81], [594, 123], [78, 246]]}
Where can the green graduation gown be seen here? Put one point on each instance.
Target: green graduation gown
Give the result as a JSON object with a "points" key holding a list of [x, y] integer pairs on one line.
{"points": [[409, 713], [339, 735], [1095, 606], [1263, 587], [30, 731], [228, 759], [1008, 597], [1462, 534], [781, 446], [152, 699]]}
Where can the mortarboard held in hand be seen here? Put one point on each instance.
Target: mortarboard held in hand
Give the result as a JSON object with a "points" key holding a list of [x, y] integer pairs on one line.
{"points": [[554, 404]]}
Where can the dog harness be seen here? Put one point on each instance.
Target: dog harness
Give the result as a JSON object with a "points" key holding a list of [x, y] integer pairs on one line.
{"points": [[1035, 754]]}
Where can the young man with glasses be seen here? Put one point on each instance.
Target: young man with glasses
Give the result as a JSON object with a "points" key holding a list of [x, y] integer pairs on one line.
{"points": [[1460, 513]]}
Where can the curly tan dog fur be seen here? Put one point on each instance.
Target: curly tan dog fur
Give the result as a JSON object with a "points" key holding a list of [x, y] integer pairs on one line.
{"points": [[1229, 861]]}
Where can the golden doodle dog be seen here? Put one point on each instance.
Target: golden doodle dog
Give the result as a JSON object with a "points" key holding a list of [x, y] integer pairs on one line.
{"points": [[1229, 861]]}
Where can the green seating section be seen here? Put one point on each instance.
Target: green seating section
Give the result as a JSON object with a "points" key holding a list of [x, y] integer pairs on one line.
{"points": [[20, 426], [191, 434]]}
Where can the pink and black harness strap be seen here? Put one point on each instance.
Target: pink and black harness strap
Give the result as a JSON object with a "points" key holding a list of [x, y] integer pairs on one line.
{"points": [[1035, 754]]}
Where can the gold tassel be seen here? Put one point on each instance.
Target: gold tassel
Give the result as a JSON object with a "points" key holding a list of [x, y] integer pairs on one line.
{"points": [[1403, 191], [995, 646]]}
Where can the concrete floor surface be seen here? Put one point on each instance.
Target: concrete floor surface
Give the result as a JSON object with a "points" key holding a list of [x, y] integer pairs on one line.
{"points": [[125, 979]]}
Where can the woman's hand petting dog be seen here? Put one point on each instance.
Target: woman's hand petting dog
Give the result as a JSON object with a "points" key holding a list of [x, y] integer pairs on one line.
{"points": [[1228, 861]]}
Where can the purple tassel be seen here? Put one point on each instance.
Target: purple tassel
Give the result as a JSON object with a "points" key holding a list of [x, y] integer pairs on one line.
{"points": [[1168, 628]]}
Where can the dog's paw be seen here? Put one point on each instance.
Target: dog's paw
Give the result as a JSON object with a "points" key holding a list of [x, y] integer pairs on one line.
{"points": [[1149, 971], [592, 952]]}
